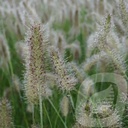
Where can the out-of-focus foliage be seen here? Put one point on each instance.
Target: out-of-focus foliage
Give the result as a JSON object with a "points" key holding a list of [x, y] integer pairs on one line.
{"points": [[84, 37]]}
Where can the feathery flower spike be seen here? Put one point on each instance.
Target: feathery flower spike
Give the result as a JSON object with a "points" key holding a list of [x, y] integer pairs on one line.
{"points": [[66, 81], [64, 105], [5, 114], [34, 63]]}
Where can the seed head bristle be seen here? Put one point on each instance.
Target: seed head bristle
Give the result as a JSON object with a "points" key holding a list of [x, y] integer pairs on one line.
{"points": [[93, 60], [64, 105], [103, 45], [80, 74], [20, 47], [107, 116], [102, 34], [87, 88], [5, 114], [35, 63], [66, 81], [124, 12]]}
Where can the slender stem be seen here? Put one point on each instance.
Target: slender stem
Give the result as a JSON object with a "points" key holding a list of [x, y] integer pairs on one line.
{"points": [[57, 113], [65, 120], [11, 68], [47, 115], [72, 102], [41, 109], [33, 112], [56, 122], [18, 126]]}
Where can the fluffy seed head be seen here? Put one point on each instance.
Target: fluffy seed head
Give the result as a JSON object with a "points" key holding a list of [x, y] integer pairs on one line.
{"points": [[66, 81], [102, 34], [16, 82], [88, 114], [34, 63], [113, 121], [76, 18], [21, 49], [91, 45], [82, 114], [5, 114], [102, 109], [79, 73], [124, 13], [108, 47], [88, 89], [64, 105], [118, 60]]}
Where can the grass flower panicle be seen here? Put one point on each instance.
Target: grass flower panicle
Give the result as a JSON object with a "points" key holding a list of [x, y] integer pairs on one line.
{"points": [[75, 66], [64, 105], [35, 63], [5, 114], [66, 81], [123, 12]]}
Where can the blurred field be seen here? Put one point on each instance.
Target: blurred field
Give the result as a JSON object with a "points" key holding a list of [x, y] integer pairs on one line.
{"points": [[40, 80]]}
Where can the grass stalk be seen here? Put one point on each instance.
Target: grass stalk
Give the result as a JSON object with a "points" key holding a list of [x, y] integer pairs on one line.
{"points": [[57, 113], [47, 115], [41, 109], [33, 112]]}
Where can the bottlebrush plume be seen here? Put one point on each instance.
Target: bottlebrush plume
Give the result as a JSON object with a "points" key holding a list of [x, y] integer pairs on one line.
{"points": [[107, 116], [112, 51], [64, 105], [118, 60], [60, 42], [91, 45], [124, 12], [82, 114], [119, 26], [87, 88], [5, 114], [103, 109], [79, 72], [66, 81], [20, 49], [114, 121], [102, 34], [76, 18], [16, 82], [35, 63]]}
